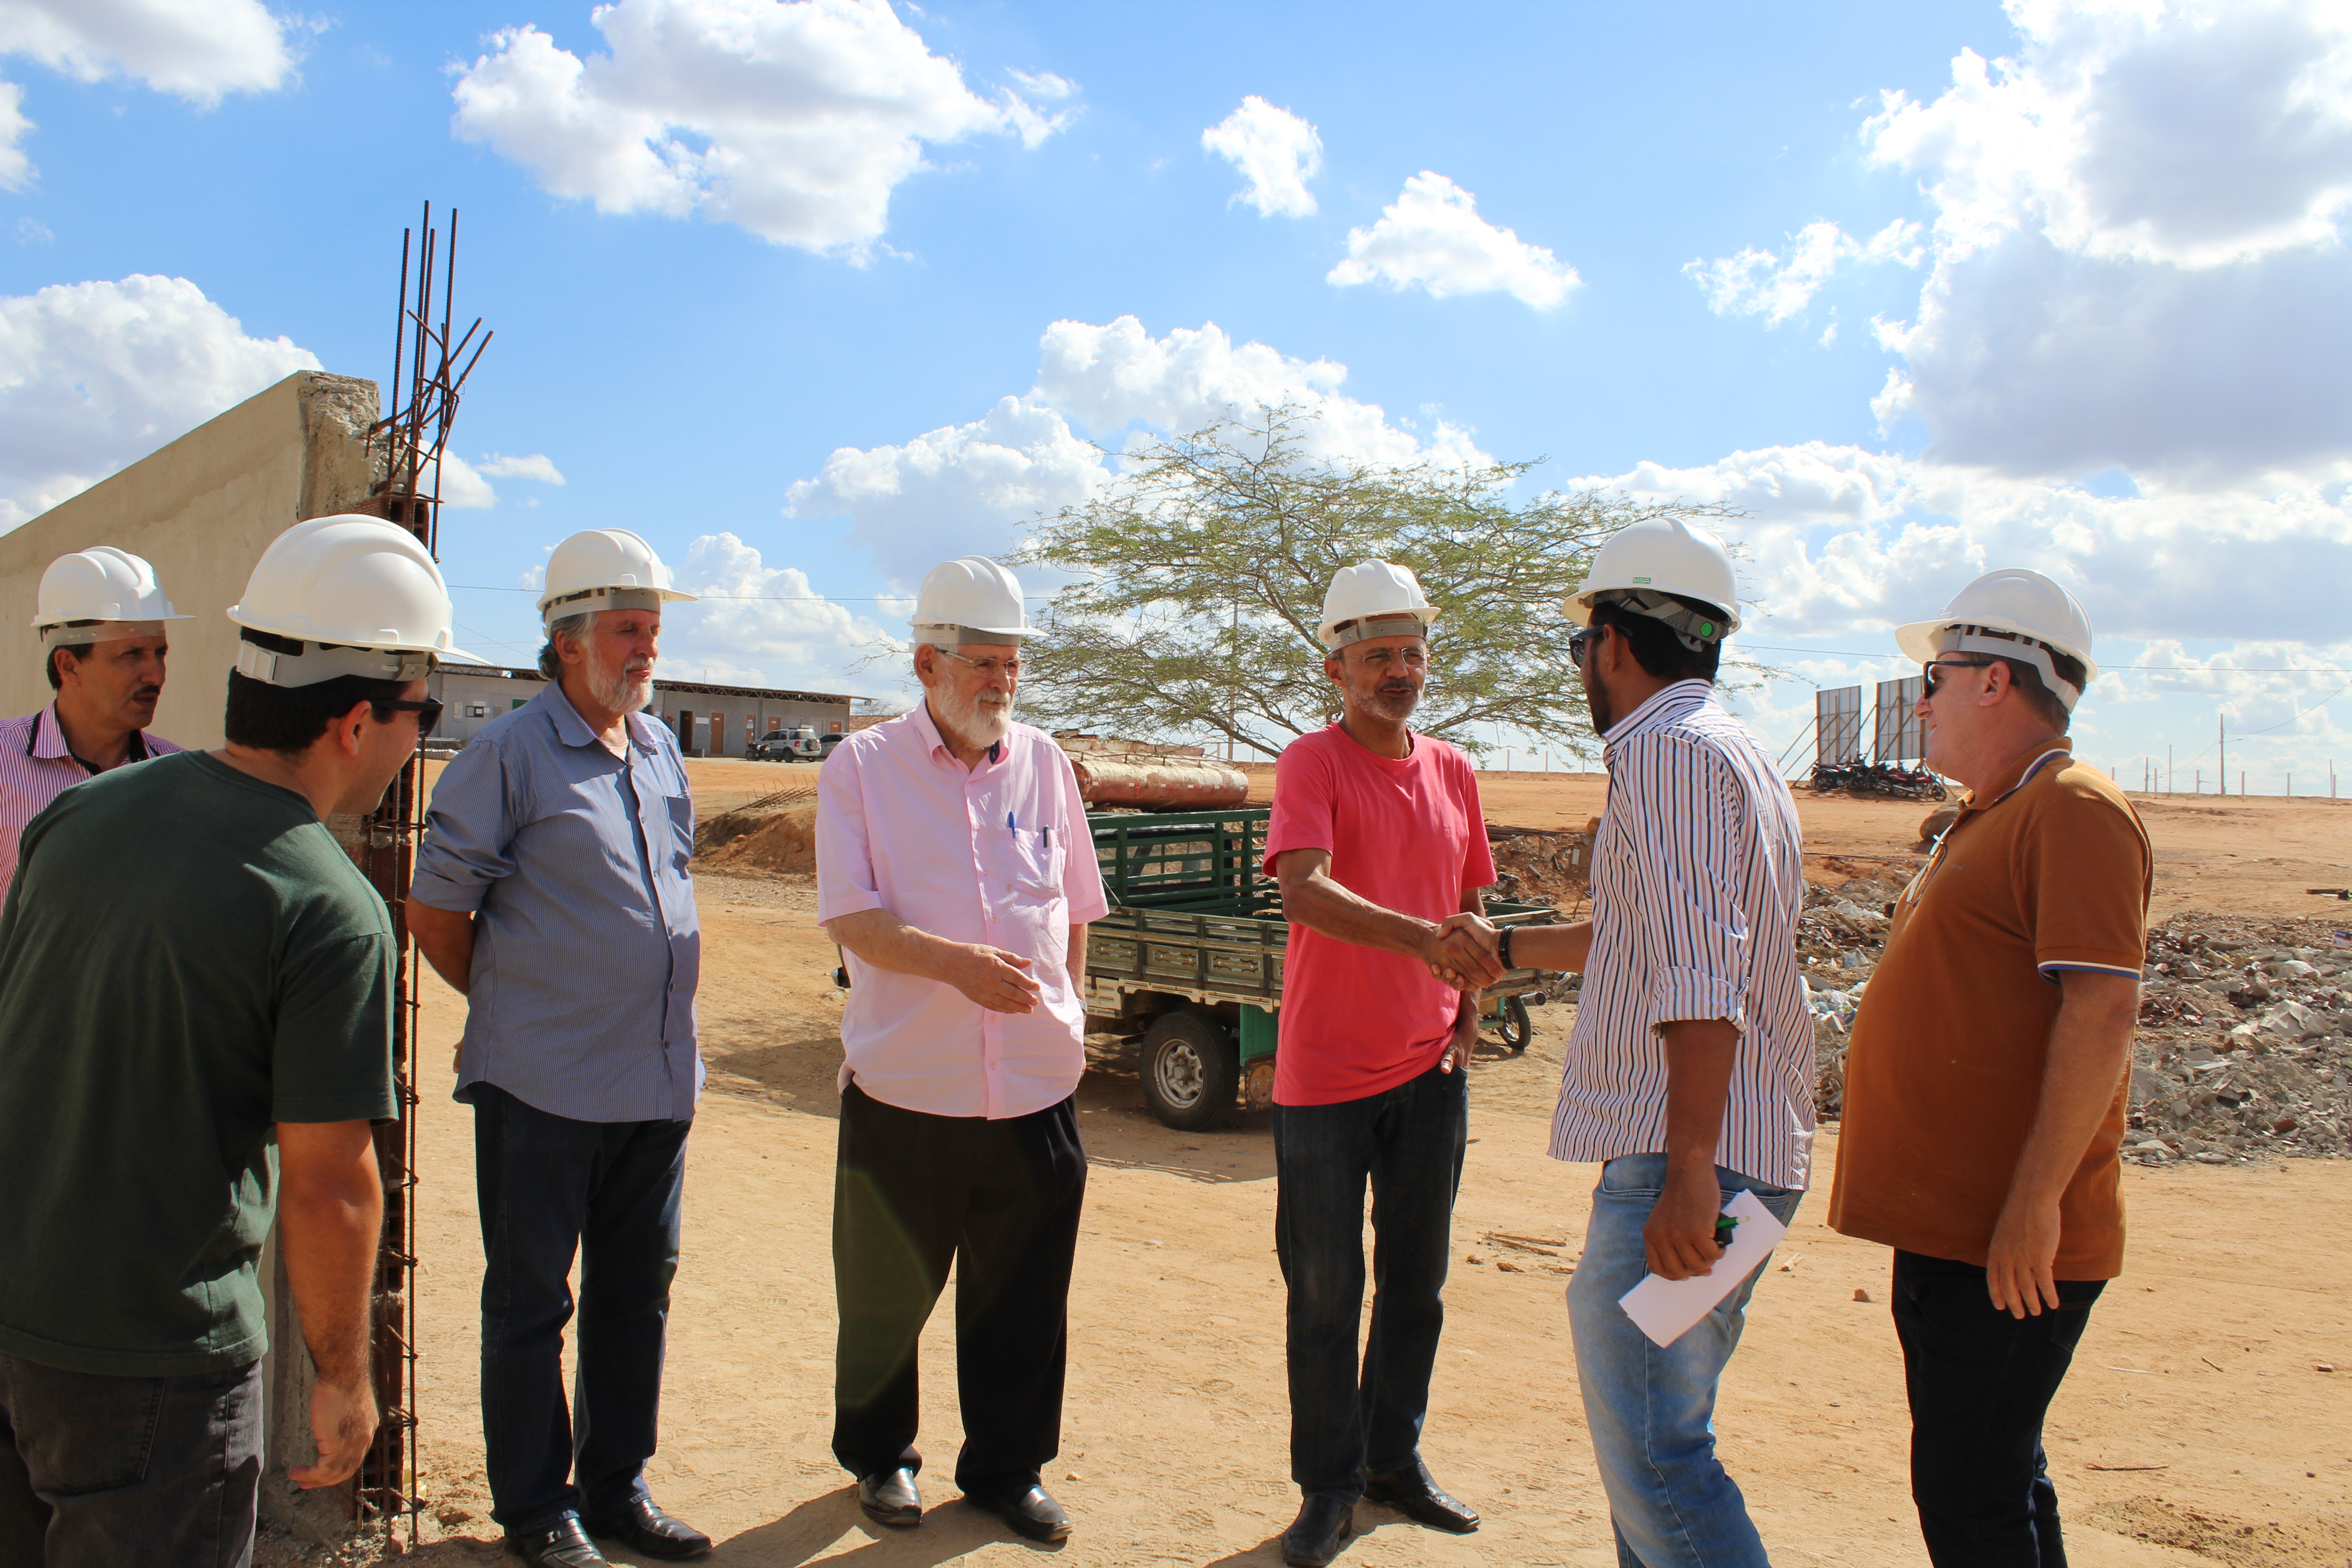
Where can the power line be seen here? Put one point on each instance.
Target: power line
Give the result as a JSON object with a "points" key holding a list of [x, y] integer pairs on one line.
{"points": [[2156, 668], [759, 598]]}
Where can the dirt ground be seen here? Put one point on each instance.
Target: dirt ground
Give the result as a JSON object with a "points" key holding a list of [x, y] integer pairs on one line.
{"points": [[2199, 1425]]}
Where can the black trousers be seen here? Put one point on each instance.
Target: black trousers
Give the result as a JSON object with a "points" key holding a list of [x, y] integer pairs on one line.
{"points": [[913, 1193], [1980, 1382]]}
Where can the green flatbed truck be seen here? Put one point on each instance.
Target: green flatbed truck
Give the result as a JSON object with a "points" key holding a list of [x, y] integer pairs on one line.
{"points": [[1190, 957]]}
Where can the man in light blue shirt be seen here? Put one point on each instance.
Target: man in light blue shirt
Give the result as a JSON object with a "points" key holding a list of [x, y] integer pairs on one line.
{"points": [[552, 890]]}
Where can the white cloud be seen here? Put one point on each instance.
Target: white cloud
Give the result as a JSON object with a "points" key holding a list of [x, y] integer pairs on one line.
{"points": [[1276, 151], [461, 485], [1848, 543], [195, 50], [794, 120], [2199, 133], [15, 164], [1044, 84], [765, 626], [1433, 236], [2136, 243], [1760, 283], [96, 376], [537, 466], [971, 487]]}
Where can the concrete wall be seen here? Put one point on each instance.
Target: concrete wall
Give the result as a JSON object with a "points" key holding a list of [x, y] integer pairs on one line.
{"points": [[200, 509]]}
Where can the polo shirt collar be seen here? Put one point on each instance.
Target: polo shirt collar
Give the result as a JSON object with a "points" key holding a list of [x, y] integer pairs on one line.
{"points": [[2019, 773], [935, 744], [573, 730]]}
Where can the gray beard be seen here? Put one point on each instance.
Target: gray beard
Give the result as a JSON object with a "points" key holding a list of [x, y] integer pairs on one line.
{"points": [[617, 690], [983, 725]]}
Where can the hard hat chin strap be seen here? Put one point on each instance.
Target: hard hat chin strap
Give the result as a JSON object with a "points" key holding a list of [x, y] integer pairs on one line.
{"points": [[1691, 628], [322, 661], [97, 631], [2011, 645]]}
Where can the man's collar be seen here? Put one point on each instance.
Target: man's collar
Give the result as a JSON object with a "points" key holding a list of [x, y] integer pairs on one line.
{"points": [[47, 741], [573, 730], [1680, 691], [935, 742], [2013, 777]]}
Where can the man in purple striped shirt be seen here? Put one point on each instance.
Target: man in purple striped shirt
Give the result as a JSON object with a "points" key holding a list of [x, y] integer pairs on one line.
{"points": [[99, 615], [1688, 1071]]}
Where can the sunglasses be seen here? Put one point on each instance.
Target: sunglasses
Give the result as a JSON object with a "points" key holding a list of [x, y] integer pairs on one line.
{"points": [[427, 711], [1931, 679], [1578, 641]]}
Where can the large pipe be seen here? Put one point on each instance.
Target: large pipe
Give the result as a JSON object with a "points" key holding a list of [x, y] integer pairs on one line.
{"points": [[1158, 783]]}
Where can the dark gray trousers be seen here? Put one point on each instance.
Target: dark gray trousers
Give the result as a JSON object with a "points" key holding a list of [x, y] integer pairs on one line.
{"points": [[99, 1472]]}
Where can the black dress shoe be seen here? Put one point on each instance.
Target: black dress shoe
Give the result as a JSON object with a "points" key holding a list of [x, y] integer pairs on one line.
{"points": [[1414, 1493], [566, 1546], [1322, 1527], [645, 1529], [889, 1497], [1033, 1514]]}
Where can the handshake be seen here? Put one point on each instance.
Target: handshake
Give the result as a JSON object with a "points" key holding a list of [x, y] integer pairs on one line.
{"points": [[1463, 952]]}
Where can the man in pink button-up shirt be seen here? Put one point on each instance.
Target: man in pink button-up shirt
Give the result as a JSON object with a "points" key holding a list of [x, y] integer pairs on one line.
{"points": [[955, 869]]}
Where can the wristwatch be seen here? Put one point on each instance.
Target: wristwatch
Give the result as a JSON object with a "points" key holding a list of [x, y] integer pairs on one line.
{"points": [[1503, 947]]}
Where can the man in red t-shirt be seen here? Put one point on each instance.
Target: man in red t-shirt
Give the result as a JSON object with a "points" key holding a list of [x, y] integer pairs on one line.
{"points": [[1377, 838]]}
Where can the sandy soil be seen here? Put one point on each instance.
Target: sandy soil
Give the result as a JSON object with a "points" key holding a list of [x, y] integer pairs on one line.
{"points": [[2196, 1428]]}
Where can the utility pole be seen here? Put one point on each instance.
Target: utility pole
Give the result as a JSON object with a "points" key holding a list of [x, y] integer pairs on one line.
{"points": [[2167, 767], [2221, 774]]}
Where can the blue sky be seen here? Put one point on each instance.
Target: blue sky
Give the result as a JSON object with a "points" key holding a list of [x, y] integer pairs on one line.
{"points": [[1925, 289]]}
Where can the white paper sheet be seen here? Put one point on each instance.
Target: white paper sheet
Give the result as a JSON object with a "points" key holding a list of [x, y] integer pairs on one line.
{"points": [[1666, 1310]]}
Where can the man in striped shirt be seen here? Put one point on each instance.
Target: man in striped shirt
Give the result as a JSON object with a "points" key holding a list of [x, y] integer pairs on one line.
{"points": [[100, 616], [1689, 1067]]}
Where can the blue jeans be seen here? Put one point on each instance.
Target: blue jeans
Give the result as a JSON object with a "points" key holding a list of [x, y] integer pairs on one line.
{"points": [[1651, 1412], [1407, 1142], [97, 1471], [550, 1186]]}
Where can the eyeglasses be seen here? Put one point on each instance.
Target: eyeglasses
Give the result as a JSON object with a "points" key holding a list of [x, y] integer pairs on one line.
{"points": [[1578, 641], [1931, 679], [427, 711], [986, 669]]}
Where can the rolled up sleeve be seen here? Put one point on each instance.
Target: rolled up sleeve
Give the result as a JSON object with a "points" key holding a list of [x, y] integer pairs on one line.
{"points": [[469, 832], [1683, 804], [846, 883]]}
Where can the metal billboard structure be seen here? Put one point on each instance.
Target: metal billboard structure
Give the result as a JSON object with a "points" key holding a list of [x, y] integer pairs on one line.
{"points": [[1897, 733], [1837, 726]]}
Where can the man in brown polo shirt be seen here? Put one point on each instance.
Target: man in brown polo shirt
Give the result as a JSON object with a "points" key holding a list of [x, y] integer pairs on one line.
{"points": [[1986, 1081]]}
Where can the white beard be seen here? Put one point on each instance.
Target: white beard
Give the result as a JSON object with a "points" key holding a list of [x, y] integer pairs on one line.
{"points": [[983, 719]]}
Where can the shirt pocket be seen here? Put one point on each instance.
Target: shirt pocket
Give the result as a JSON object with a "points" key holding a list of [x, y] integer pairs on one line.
{"points": [[1033, 874], [681, 823]]}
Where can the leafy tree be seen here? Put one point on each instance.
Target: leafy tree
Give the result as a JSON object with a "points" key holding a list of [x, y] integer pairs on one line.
{"points": [[1201, 579]]}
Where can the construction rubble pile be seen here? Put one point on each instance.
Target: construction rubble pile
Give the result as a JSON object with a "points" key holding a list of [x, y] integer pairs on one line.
{"points": [[2245, 1050]]}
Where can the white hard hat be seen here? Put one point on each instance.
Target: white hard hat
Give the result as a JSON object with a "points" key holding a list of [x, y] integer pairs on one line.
{"points": [[100, 583], [359, 593], [2011, 614], [1373, 599], [1643, 561], [972, 599], [605, 569]]}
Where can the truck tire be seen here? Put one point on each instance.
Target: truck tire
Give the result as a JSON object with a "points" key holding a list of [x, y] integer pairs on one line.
{"points": [[1191, 1071]]}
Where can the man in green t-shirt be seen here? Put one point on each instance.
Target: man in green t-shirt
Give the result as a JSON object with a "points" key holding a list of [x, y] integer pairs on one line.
{"points": [[195, 1032]]}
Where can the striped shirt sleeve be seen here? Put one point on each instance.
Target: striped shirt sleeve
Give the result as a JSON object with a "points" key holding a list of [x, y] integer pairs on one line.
{"points": [[1684, 812]]}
